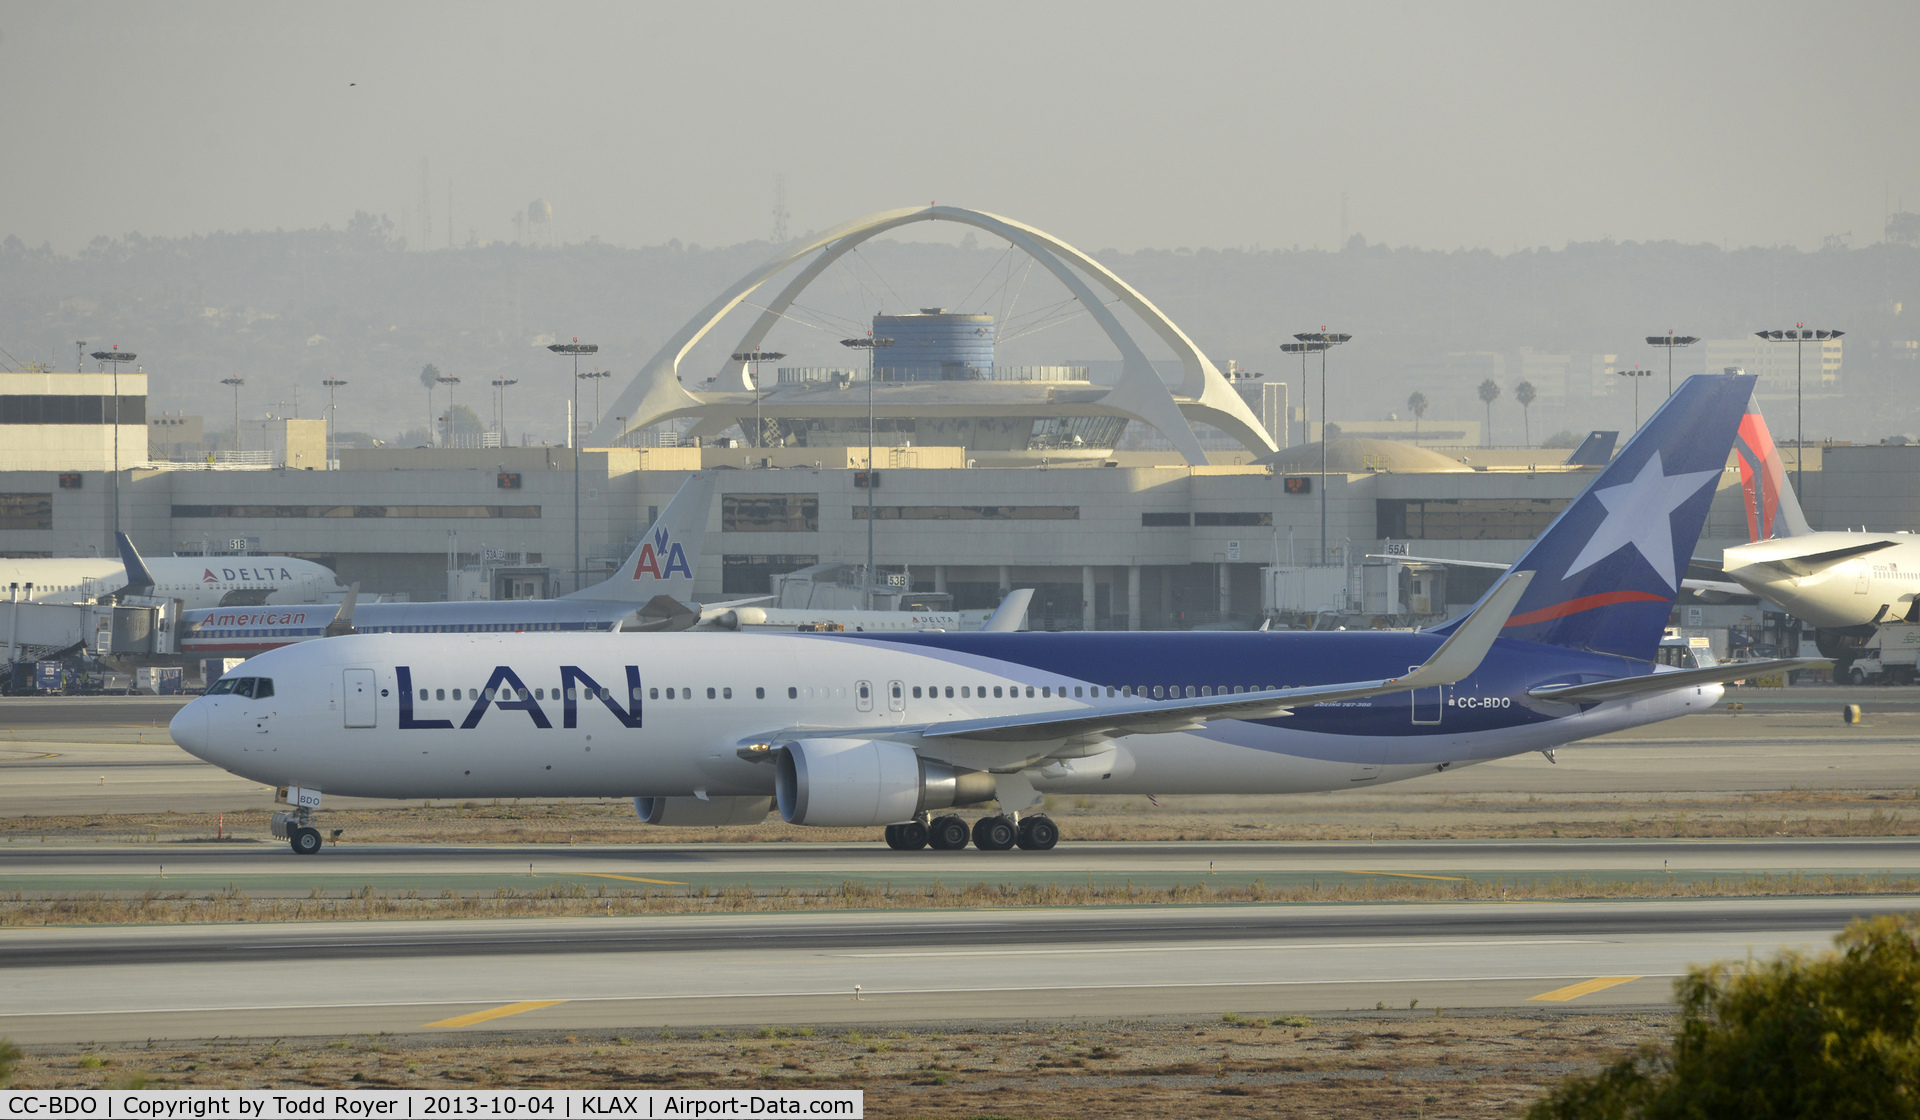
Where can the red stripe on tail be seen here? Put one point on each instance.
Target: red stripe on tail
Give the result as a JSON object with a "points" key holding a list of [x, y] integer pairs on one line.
{"points": [[1585, 603]]}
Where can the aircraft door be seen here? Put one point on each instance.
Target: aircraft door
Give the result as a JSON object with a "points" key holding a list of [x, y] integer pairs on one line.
{"points": [[896, 696], [1427, 702], [360, 691], [863, 695]]}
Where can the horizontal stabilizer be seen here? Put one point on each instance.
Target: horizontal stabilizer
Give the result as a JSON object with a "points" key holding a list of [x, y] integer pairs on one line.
{"points": [[1440, 560], [1666, 682], [663, 614], [1813, 563]]}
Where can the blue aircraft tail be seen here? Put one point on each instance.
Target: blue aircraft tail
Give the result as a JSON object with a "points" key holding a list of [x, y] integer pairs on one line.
{"points": [[139, 579], [1609, 566]]}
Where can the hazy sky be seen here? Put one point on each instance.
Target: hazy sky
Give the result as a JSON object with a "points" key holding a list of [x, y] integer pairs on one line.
{"points": [[1120, 125]]}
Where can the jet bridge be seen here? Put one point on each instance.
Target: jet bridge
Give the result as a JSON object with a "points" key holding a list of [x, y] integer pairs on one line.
{"points": [[135, 626]]}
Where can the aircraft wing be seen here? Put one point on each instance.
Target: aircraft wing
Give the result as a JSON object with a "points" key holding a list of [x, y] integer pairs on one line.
{"points": [[1666, 682], [1455, 660]]}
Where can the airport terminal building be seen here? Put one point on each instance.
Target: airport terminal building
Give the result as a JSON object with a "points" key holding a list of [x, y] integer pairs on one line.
{"points": [[988, 477]]}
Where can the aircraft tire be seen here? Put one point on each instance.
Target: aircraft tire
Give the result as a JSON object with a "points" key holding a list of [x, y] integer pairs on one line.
{"points": [[994, 834], [913, 836], [305, 841], [1038, 834], [947, 834]]}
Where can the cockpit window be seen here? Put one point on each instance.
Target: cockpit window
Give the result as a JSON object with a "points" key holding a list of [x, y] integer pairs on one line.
{"points": [[221, 687], [243, 686], [262, 687]]}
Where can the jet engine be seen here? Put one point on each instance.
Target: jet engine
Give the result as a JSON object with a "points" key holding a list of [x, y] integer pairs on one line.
{"points": [[691, 812], [853, 782]]}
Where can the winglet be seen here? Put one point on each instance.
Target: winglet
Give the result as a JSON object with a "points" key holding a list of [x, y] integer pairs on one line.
{"points": [[1012, 612], [343, 618], [139, 579], [1467, 646]]}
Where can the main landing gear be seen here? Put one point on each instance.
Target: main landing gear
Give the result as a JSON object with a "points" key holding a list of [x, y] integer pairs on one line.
{"points": [[990, 834]]}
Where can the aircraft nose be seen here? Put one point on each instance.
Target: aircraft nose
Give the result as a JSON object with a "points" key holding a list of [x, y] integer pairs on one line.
{"points": [[189, 728]]}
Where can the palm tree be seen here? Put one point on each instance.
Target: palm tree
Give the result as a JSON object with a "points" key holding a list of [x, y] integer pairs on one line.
{"points": [[429, 377], [1417, 404], [1489, 392], [1524, 393]]}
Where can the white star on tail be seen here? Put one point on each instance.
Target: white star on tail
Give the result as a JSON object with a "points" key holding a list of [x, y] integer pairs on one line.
{"points": [[1640, 513]]}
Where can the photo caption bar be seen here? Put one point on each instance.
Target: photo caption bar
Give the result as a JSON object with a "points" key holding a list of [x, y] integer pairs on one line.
{"points": [[408, 1104]]}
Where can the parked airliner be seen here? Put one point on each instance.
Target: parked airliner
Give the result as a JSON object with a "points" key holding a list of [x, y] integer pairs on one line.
{"points": [[902, 729], [1840, 582], [197, 581], [648, 592]]}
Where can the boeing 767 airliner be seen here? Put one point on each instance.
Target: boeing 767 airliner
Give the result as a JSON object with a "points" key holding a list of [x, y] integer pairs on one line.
{"points": [[903, 729]]}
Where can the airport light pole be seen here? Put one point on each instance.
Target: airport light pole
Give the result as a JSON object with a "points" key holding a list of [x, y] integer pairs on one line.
{"points": [[1325, 340], [870, 344], [114, 358], [753, 358], [1800, 335], [449, 381], [575, 348], [333, 420], [1636, 373], [1670, 342], [500, 411], [596, 376], [235, 382]]}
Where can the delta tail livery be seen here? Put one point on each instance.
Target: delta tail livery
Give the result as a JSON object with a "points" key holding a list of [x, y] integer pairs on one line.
{"points": [[903, 730]]}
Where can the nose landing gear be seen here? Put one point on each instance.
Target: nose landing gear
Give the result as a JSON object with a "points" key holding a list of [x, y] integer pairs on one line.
{"points": [[298, 831]]}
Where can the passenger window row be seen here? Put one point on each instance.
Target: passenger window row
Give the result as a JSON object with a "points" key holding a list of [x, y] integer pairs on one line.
{"points": [[933, 692], [522, 694]]}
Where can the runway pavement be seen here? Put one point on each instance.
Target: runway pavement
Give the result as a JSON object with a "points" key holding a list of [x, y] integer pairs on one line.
{"points": [[100, 984], [270, 870]]}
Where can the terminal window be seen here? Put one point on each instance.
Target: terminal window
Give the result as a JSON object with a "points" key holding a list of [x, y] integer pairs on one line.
{"points": [[969, 513], [1201, 520], [753, 575], [253, 511], [1165, 520], [26, 511], [66, 408], [1465, 519], [770, 513]]}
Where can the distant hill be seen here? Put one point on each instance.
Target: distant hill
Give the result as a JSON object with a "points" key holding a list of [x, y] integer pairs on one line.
{"points": [[289, 308]]}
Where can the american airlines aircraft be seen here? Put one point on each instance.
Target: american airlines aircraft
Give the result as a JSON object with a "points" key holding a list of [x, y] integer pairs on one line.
{"points": [[901, 730], [648, 592], [1840, 582], [197, 581]]}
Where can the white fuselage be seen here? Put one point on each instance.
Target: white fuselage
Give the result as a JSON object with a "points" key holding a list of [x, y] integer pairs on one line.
{"points": [[197, 581], [336, 723], [1849, 593]]}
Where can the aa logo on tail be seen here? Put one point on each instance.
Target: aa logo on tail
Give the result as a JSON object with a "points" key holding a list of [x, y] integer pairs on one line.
{"points": [[660, 558]]}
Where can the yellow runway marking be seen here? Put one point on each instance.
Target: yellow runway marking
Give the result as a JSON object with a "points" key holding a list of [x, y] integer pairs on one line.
{"points": [[1408, 875], [631, 878], [494, 1013], [1584, 988]]}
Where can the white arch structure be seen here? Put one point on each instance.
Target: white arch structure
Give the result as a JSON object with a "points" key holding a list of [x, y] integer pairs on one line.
{"points": [[656, 393]]}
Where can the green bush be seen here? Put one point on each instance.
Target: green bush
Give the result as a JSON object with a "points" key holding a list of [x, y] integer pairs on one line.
{"points": [[9, 1056], [1832, 1036]]}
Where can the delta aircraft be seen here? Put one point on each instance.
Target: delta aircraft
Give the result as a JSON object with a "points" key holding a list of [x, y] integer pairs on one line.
{"points": [[902, 730], [1843, 583], [648, 592], [197, 581]]}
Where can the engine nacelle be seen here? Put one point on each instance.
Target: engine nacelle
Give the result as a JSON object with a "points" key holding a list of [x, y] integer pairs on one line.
{"points": [[856, 782], [691, 812]]}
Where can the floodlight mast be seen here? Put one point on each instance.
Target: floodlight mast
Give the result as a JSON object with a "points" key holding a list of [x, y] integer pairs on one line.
{"points": [[869, 344], [1670, 342], [1322, 340], [333, 420], [1636, 373], [753, 358], [575, 348], [1800, 335], [114, 358]]}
